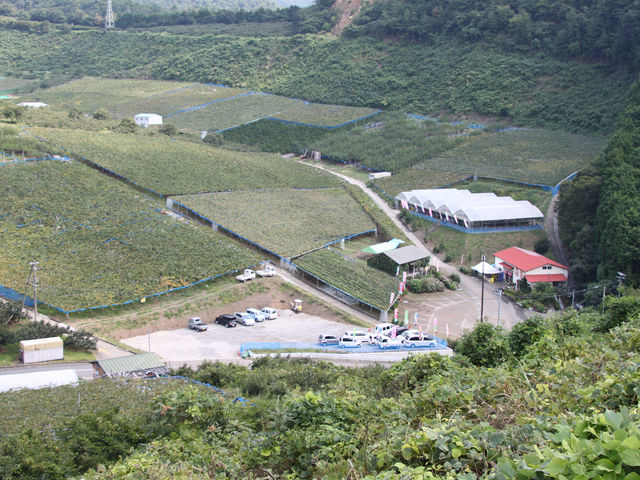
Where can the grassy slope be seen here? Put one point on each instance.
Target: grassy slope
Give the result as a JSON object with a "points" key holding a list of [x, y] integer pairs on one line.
{"points": [[457, 78]]}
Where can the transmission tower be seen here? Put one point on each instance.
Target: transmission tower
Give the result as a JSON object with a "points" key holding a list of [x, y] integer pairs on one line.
{"points": [[108, 19]]}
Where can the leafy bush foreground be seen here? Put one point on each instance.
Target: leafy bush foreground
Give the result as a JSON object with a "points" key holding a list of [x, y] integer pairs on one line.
{"points": [[558, 401]]}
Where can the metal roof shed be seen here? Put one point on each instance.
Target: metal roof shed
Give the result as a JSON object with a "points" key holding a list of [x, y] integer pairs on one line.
{"points": [[404, 255], [132, 366]]}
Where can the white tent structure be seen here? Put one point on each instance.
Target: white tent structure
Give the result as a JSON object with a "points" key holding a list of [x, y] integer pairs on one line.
{"points": [[36, 380], [470, 210], [487, 269]]}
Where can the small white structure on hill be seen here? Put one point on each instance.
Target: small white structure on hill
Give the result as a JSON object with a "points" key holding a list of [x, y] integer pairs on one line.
{"points": [[32, 104], [41, 350], [146, 119]]}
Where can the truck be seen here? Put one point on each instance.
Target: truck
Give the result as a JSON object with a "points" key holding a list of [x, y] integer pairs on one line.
{"points": [[195, 323], [267, 271], [247, 275]]}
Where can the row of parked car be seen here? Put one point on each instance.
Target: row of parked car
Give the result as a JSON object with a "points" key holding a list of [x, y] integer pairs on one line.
{"points": [[246, 318], [385, 335]]}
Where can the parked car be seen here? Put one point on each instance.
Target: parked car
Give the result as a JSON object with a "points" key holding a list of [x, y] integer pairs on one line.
{"points": [[385, 342], [245, 319], [400, 330], [383, 329], [226, 320], [418, 340], [328, 340], [349, 342], [269, 313], [246, 276], [256, 314], [267, 271], [364, 337], [195, 323]]}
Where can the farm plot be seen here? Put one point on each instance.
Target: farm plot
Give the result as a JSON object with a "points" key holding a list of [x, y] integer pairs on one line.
{"points": [[176, 100], [286, 221], [354, 277], [233, 112], [389, 142], [414, 179], [89, 94], [98, 241], [528, 155], [11, 84], [173, 167], [323, 115]]}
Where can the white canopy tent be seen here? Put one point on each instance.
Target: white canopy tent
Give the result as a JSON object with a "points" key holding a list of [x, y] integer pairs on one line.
{"points": [[487, 269]]}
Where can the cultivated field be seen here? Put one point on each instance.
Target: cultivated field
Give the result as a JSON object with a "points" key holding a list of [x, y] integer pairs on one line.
{"points": [[528, 155], [233, 112], [352, 276], [414, 179], [324, 115], [176, 100], [89, 94], [173, 167], [98, 241], [286, 221]]}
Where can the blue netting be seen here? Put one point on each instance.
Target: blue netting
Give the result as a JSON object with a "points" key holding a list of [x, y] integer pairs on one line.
{"points": [[241, 400], [326, 127], [441, 344], [475, 230], [198, 107]]}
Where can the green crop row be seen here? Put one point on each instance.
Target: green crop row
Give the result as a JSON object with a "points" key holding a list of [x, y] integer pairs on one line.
{"points": [[176, 100], [286, 221], [99, 242], [528, 155], [351, 276], [89, 94], [169, 166]]}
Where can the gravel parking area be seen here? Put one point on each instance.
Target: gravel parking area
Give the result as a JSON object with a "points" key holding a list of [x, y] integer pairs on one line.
{"points": [[220, 343]]}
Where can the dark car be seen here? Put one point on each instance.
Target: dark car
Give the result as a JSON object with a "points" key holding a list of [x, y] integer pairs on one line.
{"points": [[226, 320]]}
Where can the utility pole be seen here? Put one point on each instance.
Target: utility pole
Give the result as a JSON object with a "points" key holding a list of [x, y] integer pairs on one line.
{"points": [[573, 299], [604, 292], [34, 285], [499, 302], [482, 292], [108, 18]]}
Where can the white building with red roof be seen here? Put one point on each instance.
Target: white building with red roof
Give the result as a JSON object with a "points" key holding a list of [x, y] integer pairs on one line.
{"points": [[518, 263]]}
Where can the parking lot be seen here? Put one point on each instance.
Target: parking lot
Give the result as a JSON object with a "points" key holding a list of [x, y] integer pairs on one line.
{"points": [[220, 343]]}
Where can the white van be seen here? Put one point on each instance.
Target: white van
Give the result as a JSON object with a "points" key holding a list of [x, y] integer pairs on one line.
{"points": [[418, 340]]}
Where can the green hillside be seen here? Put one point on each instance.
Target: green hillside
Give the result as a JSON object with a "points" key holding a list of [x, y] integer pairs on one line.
{"points": [[532, 90], [555, 398]]}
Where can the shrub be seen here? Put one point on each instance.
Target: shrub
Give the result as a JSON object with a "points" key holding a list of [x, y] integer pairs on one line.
{"points": [[10, 313], [485, 346], [101, 114], [526, 333], [425, 285], [542, 246], [168, 129]]}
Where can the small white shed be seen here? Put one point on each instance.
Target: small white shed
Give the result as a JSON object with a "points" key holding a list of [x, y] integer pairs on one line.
{"points": [[41, 350], [32, 104], [373, 176], [146, 119]]}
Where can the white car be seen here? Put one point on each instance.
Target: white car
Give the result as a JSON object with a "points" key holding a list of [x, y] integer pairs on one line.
{"points": [[364, 337], [349, 342], [244, 319], [418, 340], [269, 313], [385, 342], [256, 314]]}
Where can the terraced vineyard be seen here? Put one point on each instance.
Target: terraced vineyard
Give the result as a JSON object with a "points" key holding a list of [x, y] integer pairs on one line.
{"points": [[176, 100], [89, 94], [286, 221], [173, 167], [98, 241], [323, 115], [413, 179], [528, 155], [351, 276], [233, 112]]}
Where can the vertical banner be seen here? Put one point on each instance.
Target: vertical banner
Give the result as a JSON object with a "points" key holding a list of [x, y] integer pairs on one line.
{"points": [[404, 277], [435, 327], [397, 270], [406, 317], [395, 314], [392, 298], [415, 319]]}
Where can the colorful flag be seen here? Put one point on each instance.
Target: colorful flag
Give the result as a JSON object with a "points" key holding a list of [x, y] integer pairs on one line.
{"points": [[406, 317], [395, 314], [404, 277], [394, 331], [415, 318], [397, 270], [392, 298], [435, 326]]}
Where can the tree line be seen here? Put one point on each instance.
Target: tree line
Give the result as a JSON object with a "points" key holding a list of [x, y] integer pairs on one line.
{"points": [[600, 210], [586, 29]]}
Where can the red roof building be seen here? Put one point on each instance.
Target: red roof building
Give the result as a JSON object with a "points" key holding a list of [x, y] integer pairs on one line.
{"points": [[518, 263]]}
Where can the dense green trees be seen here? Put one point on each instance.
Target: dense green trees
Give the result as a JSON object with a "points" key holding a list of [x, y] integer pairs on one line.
{"points": [[564, 28]]}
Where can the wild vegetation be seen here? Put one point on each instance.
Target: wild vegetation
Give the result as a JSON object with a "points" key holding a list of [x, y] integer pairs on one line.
{"points": [[554, 398], [533, 90], [352, 276], [598, 212], [172, 167], [98, 241], [286, 221]]}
